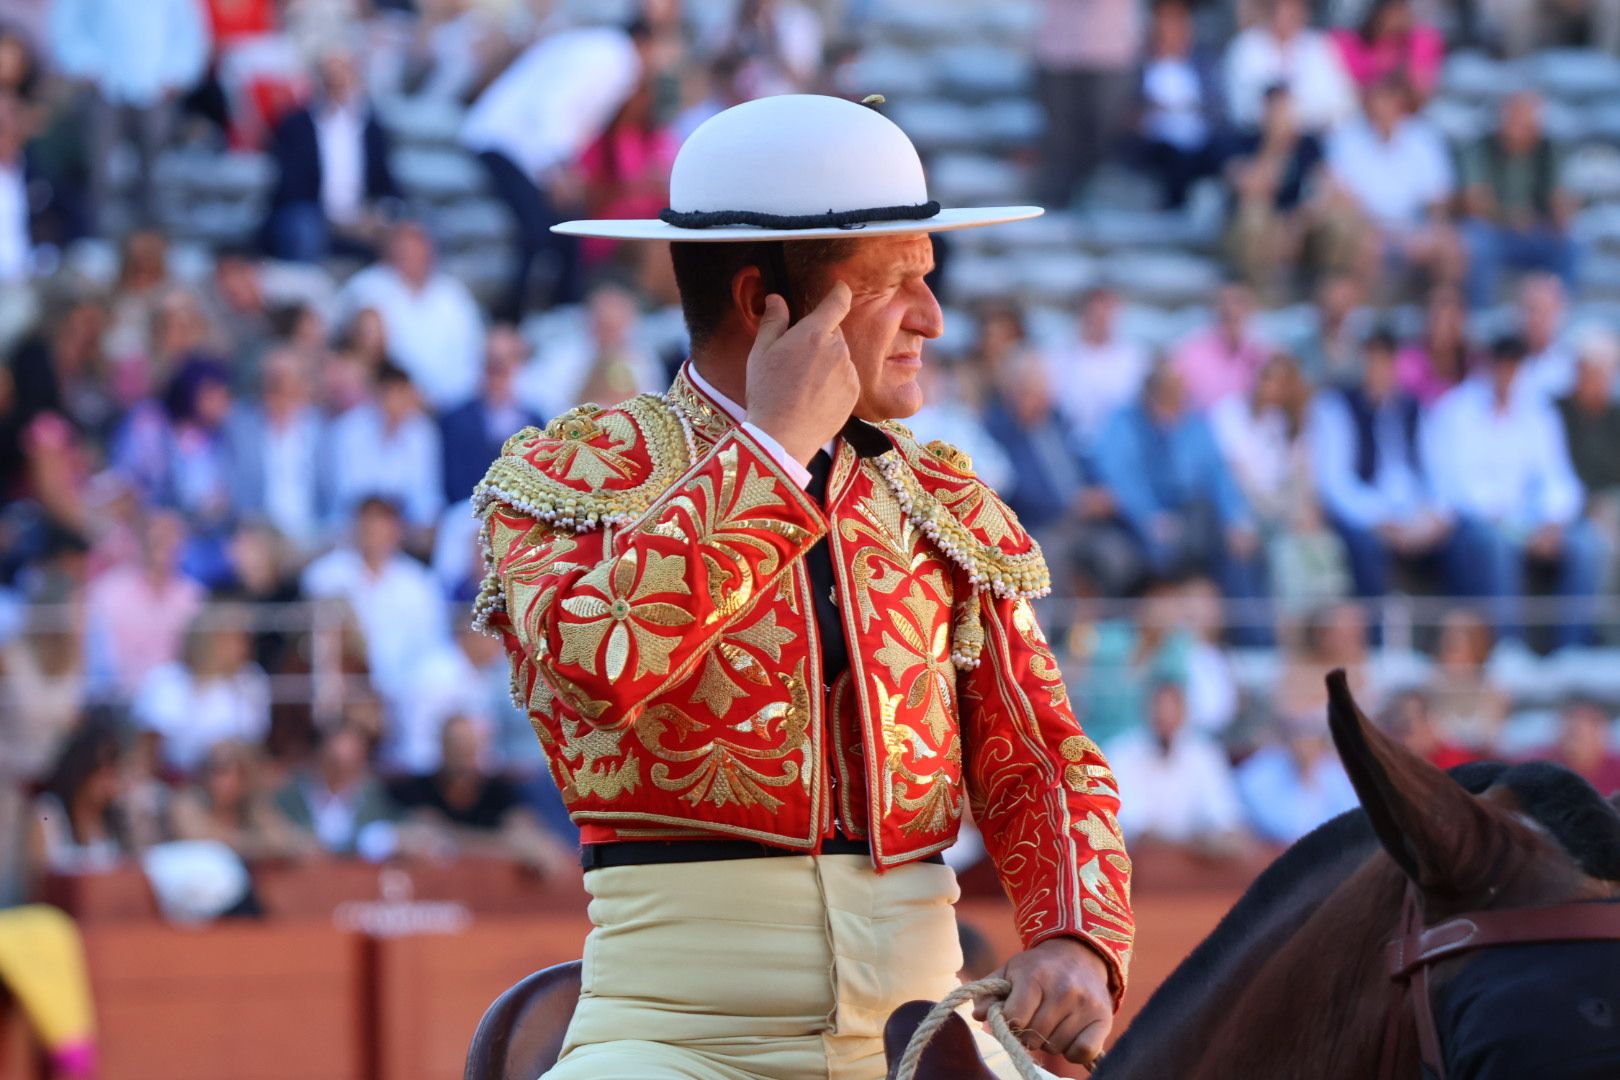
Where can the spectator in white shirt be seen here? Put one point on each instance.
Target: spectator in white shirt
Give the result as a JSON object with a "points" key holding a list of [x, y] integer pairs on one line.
{"points": [[1180, 109], [606, 364], [443, 684], [1366, 460], [137, 58], [1100, 373], [16, 225], [1262, 436], [1498, 460], [275, 452], [432, 322], [338, 801], [388, 446], [1549, 363], [531, 124], [214, 692], [778, 44], [334, 186], [400, 606], [1283, 49], [1395, 168], [1177, 782]]}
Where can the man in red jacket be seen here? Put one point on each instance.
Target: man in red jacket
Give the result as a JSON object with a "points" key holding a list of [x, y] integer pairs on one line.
{"points": [[773, 646]]}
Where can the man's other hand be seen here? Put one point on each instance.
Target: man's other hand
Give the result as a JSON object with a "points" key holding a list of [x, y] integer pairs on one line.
{"points": [[1060, 999]]}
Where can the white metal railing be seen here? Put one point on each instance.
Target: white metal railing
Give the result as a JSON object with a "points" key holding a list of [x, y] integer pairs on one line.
{"points": [[1403, 624]]}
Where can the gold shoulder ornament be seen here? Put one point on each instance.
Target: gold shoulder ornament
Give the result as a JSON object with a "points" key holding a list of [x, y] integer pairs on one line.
{"points": [[969, 524], [590, 468]]}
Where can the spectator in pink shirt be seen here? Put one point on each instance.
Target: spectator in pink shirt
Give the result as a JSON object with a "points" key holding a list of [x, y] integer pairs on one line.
{"points": [[1390, 42], [626, 170], [1432, 364], [1225, 358], [139, 610]]}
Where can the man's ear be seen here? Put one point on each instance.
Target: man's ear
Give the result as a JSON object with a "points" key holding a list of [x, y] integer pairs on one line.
{"points": [[748, 294]]}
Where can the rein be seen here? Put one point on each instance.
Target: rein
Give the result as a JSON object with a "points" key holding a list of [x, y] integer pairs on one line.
{"points": [[1417, 947], [993, 990]]}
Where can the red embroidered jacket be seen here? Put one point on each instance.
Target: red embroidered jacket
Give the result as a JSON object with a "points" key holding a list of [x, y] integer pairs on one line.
{"points": [[645, 574]]}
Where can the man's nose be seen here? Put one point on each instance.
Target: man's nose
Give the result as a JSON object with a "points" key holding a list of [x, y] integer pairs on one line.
{"points": [[924, 316]]}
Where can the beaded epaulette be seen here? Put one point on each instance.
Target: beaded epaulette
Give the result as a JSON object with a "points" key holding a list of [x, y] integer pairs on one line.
{"points": [[591, 467], [969, 524]]}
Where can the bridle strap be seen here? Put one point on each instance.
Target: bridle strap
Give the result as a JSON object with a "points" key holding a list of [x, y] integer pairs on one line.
{"points": [[1414, 981], [1389, 1060], [1417, 948], [1488, 929]]}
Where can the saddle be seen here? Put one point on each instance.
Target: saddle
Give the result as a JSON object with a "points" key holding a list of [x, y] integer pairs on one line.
{"points": [[522, 1031]]}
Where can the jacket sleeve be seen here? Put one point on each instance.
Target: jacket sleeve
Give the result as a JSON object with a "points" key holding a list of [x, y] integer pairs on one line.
{"points": [[1043, 795], [612, 614]]}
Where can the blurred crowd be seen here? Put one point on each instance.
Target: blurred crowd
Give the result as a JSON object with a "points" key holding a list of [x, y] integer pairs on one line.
{"points": [[236, 548]]}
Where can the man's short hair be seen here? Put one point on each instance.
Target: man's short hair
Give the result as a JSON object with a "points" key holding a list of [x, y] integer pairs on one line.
{"points": [[1094, 293], [1509, 349], [391, 374], [704, 271], [379, 503], [1381, 340]]}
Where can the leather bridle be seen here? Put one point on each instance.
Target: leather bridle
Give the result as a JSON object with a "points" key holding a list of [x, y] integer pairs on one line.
{"points": [[1417, 947]]}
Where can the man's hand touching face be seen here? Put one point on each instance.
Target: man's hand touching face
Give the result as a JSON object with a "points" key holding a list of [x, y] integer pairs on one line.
{"points": [[802, 386]]}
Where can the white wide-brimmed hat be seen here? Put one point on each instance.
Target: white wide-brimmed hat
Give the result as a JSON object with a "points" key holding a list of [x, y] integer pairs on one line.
{"points": [[796, 167]]}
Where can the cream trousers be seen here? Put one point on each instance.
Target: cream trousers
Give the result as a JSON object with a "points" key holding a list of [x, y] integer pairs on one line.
{"points": [[783, 968]]}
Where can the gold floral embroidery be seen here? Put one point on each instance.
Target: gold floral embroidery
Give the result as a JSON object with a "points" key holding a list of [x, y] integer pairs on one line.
{"points": [[725, 668], [621, 615], [919, 661], [940, 799], [736, 764], [705, 419], [725, 524], [766, 634], [1042, 664], [589, 755], [576, 451], [940, 803]]}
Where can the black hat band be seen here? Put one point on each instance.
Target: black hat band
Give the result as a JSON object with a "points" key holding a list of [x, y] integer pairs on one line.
{"points": [[832, 219]]}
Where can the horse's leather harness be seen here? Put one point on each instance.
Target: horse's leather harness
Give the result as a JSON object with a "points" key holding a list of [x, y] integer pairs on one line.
{"points": [[1417, 947]]}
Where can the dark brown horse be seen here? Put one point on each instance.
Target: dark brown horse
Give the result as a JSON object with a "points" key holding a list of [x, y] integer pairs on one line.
{"points": [[1295, 982]]}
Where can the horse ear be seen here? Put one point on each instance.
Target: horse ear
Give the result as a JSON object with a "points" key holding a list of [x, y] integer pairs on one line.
{"points": [[1431, 827]]}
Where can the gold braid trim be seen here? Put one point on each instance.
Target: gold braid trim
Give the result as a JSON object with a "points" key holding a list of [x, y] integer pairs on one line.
{"points": [[974, 544], [587, 443]]}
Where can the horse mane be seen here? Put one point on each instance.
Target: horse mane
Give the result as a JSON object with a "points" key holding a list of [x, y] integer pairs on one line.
{"points": [[1327, 845], [1188, 986], [1583, 822]]}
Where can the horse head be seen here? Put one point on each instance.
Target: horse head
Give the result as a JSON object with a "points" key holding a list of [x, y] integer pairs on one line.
{"points": [[1297, 982], [1538, 837]]}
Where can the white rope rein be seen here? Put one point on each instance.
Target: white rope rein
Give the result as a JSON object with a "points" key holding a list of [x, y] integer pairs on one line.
{"points": [[996, 990]]}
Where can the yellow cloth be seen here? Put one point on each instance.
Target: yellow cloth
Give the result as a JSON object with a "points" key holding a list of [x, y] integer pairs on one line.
{"points": [[783, 968], [42, 964]]}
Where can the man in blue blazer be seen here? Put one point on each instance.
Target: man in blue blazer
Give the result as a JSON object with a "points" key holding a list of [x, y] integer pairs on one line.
{"points": [[334, 189]]}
